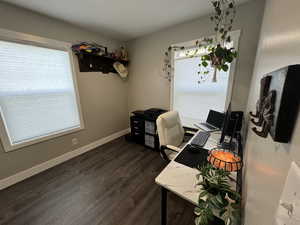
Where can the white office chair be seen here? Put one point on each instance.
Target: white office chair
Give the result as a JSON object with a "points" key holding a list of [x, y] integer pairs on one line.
{"points": [[171, 134]]}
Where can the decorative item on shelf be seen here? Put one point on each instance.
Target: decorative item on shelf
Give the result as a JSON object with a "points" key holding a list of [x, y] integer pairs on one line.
{"points": [[121, 69], [216, 197], [124, 54], [91, 48], [93, 57], [278, 104], [167, 66], [121, 54], [117, 54], [225, 159]]}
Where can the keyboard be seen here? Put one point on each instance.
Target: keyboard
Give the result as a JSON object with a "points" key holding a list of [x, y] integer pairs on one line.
{"points": [[201, 139]]}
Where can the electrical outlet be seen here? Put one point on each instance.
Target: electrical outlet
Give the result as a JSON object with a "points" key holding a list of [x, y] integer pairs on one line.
{"points": [[74, 141]]}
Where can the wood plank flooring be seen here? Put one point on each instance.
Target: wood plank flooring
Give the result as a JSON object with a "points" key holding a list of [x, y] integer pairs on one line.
{"points": [[111, 185]]}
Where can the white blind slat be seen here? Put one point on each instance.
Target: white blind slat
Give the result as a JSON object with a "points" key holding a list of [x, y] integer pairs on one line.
{"points": [[193, 100], [37, 94]]}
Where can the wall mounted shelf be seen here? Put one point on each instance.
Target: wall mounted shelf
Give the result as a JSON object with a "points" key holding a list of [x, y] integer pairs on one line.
{"points": [[96, 63]]}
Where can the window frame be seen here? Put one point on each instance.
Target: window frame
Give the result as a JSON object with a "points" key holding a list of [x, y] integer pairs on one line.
{"points": [[190, 45], [22, 38]]}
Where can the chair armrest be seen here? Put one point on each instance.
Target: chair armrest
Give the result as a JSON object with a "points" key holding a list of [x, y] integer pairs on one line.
{"points": [[173, 148], [190, 129], [189, 133], [167, 147], [170, 148]]}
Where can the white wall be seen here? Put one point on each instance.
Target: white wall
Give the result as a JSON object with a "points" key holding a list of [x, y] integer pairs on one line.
{"points": [[267, 162], [148, 88], [103, 97]]}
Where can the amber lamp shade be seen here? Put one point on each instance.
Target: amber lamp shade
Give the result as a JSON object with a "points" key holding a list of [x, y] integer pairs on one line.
{"points": [[224, 159]]}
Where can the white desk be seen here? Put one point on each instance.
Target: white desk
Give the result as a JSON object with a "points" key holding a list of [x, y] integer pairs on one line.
{"points": [[181, 179]]}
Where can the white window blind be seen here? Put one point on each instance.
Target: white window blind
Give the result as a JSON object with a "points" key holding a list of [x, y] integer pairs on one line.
{"points": [[191, 99], [37, 92]]}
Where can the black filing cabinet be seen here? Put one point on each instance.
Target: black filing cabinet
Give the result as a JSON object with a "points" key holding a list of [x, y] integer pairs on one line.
{"points": [[137, 125], [143, 127]]}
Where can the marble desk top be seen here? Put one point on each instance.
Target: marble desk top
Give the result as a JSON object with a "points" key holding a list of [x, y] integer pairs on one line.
{"points": [[181, 179]]}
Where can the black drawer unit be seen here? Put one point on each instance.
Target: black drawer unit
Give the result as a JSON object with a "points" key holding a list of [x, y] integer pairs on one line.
{"points": [[143, 127], [137, 126]]}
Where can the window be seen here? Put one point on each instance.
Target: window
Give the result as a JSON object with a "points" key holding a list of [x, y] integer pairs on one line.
{"points": [[192, 100], [38, 94]]}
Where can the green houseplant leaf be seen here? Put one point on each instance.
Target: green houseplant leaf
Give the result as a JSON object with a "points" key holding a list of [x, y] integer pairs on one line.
{"points": [[216, 196]]}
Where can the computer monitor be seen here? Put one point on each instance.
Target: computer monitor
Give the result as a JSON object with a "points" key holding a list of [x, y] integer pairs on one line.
{"points": [[230, 127], [226, 124]]}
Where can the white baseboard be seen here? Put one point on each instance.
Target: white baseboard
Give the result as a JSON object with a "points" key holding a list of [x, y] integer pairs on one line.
{"points": [[6, 182]]}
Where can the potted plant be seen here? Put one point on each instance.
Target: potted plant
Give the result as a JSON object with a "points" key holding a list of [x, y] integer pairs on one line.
{"points": [[218, 54], [216, 197]]}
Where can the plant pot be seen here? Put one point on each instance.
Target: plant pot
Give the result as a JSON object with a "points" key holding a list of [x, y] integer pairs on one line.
{"points": [[215, 62], [214, 79]]}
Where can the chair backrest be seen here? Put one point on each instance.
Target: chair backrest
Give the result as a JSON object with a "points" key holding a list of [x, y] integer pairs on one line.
{"points": [[169, 128]]}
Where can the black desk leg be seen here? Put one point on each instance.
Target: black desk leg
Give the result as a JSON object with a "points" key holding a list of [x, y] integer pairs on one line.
{"points": [[164, 197]]}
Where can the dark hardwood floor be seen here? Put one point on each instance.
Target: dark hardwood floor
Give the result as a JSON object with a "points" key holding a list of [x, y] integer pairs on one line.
{"points": [[111, 185]]}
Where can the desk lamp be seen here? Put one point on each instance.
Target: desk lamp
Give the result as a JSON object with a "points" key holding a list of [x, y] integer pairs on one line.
{"points": [[225, 159]]}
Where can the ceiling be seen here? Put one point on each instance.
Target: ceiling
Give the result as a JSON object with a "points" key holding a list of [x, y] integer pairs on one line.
{"points": [[120, 19]]}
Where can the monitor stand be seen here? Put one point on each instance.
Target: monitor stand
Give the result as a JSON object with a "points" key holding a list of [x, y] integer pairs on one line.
{"points": [[227, 145]]}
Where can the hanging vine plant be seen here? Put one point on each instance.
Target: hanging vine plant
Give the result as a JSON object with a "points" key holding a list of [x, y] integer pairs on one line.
{"points": [[167, 67], [218, 54]]}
